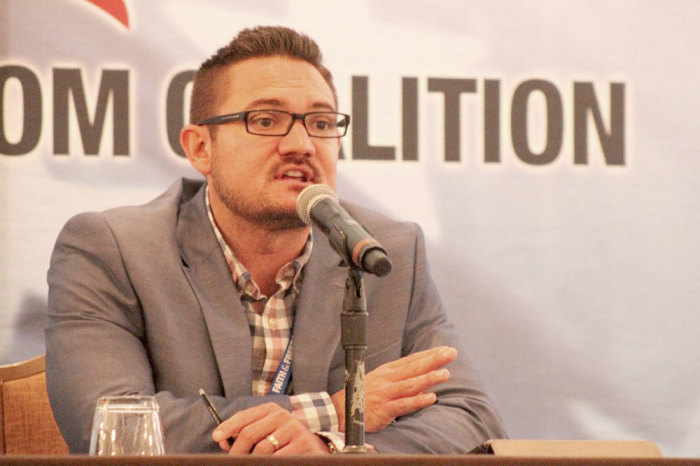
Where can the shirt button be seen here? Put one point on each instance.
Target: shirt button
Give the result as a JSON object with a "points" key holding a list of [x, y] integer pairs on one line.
{"points": [[273, 323]]}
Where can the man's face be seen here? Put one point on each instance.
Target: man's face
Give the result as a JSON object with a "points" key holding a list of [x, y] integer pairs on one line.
{"points": [[258, 178]]}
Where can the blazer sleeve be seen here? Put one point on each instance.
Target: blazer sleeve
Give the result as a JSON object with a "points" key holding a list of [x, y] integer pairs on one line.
{"points": [[463, 415], [96, 344]]}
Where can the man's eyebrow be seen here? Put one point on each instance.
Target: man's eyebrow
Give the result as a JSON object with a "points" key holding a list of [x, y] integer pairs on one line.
{"points": [[323, 106], [276, 103], [268, 102]]}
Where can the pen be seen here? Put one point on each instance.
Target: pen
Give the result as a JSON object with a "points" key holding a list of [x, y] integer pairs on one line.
{"points": [[212, 411]]}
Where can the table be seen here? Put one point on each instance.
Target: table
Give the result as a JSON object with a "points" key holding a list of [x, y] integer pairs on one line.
{"points": [[368, 459]]}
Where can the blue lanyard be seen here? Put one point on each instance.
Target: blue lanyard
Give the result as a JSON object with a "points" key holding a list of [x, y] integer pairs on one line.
{"points": [[284, 371]]}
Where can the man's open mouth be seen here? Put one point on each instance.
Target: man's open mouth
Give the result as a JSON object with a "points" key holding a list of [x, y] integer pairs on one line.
{"points": [[297, 175]]}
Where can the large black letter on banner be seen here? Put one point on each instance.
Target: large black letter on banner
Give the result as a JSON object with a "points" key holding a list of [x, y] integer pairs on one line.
{"points": [[452, 88], [31, 121], [555, 122], [361, 149], [175, 109], [613, 142], [69, 81]]}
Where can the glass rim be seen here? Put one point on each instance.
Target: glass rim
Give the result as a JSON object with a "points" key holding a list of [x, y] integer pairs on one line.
{"points": [[127, 402]]}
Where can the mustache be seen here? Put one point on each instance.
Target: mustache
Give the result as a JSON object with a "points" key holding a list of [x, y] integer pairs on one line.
{"points": [[298, 161]]}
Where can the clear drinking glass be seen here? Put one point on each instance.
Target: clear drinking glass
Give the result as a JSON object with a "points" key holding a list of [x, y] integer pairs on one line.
{"points": [[126, 425]]}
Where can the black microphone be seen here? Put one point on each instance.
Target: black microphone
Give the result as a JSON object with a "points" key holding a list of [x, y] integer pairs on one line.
{"points": [[319, 203]]}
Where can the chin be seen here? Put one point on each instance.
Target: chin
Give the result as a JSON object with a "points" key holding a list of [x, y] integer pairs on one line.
{"points": [[280, 222]]}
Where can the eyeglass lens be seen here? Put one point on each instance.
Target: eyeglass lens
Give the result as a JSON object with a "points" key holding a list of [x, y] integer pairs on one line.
{"points": [[274, 123]]}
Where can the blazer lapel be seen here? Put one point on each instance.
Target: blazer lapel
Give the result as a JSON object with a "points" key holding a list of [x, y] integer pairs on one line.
{"points": [[317, 318], [208, 274]]}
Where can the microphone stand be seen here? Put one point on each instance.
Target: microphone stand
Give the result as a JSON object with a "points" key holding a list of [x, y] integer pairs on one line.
{"points": [[353, 331], [353, 327]]}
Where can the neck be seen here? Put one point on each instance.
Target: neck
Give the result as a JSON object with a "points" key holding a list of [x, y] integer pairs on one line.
{"points": [[261, 250]]}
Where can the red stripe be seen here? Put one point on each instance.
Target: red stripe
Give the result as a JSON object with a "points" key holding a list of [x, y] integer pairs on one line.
{"points": [[115, 8]]}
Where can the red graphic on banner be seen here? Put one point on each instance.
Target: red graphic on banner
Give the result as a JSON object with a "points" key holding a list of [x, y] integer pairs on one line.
{"points": [[115, 8]]}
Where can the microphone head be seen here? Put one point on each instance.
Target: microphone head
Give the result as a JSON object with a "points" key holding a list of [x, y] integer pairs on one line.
{"points": [[309, 197]]}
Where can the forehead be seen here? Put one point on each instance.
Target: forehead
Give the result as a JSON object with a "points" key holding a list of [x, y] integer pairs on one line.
{"points": [[277, 81]]}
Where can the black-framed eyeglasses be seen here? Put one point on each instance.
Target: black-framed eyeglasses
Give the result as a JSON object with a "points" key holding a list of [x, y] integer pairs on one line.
{"points": [[279, 122]]}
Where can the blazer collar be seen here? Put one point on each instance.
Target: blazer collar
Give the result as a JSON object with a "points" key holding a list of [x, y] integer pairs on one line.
{"points": [[205, 267]]}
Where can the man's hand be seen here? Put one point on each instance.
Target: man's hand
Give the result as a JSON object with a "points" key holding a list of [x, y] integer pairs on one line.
{"points": [[251, 428], [398, 387]]}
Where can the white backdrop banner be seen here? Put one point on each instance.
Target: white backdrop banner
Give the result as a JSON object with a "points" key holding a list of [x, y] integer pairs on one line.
{"points": [[547, 148]]}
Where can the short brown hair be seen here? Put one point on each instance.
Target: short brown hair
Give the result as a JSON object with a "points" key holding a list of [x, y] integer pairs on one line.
{"points": [[261, 41]]}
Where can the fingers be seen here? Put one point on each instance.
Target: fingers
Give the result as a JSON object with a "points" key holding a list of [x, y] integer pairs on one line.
{"points": [[399, 387], [279, 441], [250, 428], [267, 429], [378, 419], [270, 444], [406, 405], [417, 384], [418, 363], [232, 426], [412, 374]]}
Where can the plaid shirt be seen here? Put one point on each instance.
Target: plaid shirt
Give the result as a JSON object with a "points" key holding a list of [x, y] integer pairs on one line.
{"points": [[271, 320]]}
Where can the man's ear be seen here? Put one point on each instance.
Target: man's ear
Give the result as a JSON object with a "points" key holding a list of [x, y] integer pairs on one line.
{"points": [[197, 144]]}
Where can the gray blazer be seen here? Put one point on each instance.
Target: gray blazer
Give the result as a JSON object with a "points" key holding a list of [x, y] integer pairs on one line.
{"points": [[141, 301]]}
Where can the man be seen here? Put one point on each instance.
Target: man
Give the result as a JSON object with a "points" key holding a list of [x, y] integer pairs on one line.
{"points": [[207, 285]]}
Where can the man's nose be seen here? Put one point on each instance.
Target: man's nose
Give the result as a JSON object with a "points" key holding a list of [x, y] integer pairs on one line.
{"points": [[297, 140]]}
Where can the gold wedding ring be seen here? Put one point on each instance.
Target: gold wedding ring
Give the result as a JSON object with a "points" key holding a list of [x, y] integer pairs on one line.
{"points": [[273, 440]]}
